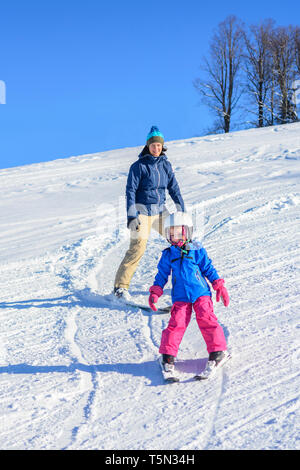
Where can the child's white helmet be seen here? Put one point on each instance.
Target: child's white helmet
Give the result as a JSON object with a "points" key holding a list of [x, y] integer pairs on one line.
{"points": [[182, 219]]}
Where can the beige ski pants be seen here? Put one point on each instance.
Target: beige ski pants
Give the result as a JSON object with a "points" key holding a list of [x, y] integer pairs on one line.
{"points": [[137, 247]]}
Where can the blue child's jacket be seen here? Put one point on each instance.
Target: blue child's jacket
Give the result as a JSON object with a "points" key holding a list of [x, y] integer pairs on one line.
{"points": [[189, 272]]}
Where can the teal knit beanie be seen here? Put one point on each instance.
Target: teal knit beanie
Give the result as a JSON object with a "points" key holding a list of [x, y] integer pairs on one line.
{"points": [[155, 136]]}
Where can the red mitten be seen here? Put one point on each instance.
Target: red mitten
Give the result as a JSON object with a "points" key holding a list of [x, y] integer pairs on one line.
{"points": [[218, 285], [155, 293]]}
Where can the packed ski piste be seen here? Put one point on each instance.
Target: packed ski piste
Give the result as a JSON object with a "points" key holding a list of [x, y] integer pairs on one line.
{"points": [[116, 327]]}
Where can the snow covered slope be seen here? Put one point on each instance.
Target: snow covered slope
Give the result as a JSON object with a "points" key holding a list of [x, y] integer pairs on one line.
{"points": [[75, 374]]}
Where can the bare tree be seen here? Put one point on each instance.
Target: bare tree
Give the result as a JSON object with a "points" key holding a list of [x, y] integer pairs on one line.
{"points": [[258, 67], [297, 48], [283, 54], [220, 88], [297, 63]]}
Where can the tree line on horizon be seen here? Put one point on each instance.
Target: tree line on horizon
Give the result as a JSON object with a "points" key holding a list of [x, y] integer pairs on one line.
{"points": [[253, 70]]}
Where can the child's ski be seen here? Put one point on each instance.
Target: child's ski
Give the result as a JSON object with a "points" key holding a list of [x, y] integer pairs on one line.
{"points": [[168, 371], [212, 367]]}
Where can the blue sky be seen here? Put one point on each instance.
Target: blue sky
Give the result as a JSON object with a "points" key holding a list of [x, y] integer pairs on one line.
{"points": [[89, 76]]}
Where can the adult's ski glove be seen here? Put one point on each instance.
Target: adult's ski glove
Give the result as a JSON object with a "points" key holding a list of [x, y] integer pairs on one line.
{"points": [[155, 293], [221, 291], [134, 223]]}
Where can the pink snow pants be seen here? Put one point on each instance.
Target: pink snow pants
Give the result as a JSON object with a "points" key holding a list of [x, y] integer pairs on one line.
{"points": [[181, 313]]}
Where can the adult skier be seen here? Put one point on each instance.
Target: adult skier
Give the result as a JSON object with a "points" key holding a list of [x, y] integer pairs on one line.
{"points": [[148, 179], [190, 266]]}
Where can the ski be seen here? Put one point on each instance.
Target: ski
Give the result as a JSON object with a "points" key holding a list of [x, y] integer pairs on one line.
{"points": [[168, 371], [110, 300], [166, 309], [212, 368], [132, 303]]}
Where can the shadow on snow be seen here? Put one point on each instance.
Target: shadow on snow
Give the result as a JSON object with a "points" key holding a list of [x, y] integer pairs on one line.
{"points": [[87, 299], [148, 369]]}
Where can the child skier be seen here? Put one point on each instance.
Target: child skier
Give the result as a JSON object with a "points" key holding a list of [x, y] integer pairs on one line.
{"points": [[190, 266]]}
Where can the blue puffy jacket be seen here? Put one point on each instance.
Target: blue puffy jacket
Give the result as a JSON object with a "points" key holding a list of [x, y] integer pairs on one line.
{"points": [[189, 272], [148, 179]]}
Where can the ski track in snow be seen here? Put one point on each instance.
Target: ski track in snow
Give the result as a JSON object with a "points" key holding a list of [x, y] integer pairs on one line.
{"points": [[79, 373]]}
